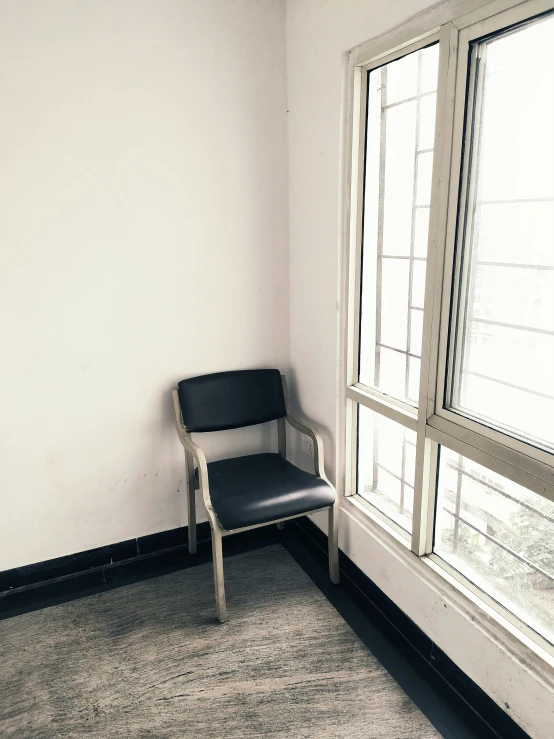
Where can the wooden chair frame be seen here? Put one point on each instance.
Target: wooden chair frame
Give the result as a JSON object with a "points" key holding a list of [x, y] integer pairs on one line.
{"points": [[194, 453]]}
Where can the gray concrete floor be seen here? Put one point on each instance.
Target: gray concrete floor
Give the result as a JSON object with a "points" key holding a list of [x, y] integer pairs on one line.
{"points": [[150, 660]]}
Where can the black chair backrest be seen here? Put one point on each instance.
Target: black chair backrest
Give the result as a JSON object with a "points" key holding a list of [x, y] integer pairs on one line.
{"points": [[230, 400]]}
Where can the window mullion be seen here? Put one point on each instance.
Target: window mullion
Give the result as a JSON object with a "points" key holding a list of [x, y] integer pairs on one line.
{"points": [[380, 224], [395, 411], [354, 273], [359, 95], [526, 470], [464, 277], [412, 238], [427, 450]]}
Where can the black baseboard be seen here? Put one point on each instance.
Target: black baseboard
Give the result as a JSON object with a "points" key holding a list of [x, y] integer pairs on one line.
{"points": [[98, 558], [54, 581], [485, 716]]}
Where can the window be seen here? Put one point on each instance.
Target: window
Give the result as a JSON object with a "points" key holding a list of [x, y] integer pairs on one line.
{"points": [[507, 238], [386, 467], [401, 105], [500, 536], [449, 338]]}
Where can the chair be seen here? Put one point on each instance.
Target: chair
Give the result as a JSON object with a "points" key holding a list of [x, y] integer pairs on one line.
{"points": [[246, 492]]}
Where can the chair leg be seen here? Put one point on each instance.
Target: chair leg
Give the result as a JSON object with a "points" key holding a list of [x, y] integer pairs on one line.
{"points": [[333, 539], [191, 503], [217, 552]]}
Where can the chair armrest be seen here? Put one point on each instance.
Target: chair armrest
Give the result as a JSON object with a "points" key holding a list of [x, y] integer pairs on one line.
{"points": [[315, 436], [319, 460], [311, 432]]}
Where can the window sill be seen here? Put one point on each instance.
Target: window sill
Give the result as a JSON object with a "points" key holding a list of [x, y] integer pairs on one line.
{"points": [[537, 660], [364, 509]]}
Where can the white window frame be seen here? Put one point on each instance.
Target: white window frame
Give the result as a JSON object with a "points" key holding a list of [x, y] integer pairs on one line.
{"points": [[454, 26]]}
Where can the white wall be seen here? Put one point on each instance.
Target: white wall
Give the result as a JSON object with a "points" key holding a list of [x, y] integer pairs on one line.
{"points": [[143, 239], [318, 32]]}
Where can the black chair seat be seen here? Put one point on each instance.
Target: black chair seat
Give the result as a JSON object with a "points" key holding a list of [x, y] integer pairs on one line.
{"points": [[258, 488]]}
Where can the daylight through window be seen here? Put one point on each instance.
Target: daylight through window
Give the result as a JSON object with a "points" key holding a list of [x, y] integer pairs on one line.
{"points": [[449, 364]]}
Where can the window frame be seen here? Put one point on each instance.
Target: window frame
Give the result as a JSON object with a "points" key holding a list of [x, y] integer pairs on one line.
{"points": [[522, 454], [454, 27]]}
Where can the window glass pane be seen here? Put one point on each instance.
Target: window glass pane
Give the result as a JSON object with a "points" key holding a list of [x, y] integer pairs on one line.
{"points": [[392, 368], [399, 178], [409, 471], [394, 302], [429, 68], [402, 79], [398, 167], [424, 171], [418, 283], [416, 331], [426, 136], [414, 367], [521, 60], [500, 536], [503, 360], [421, 231], [386, 466], [504, 227]]}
